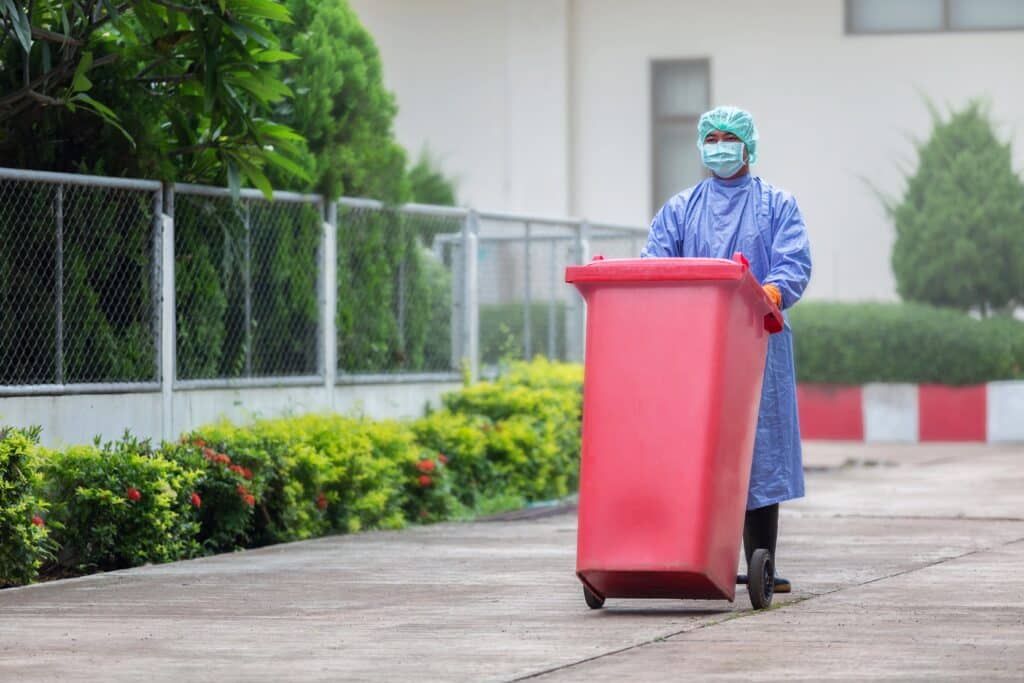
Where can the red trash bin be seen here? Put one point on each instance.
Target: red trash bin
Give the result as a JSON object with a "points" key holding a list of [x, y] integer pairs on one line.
{"points": [[675, 354]]}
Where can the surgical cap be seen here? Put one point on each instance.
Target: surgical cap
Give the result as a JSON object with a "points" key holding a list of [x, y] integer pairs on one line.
{"points": [[732, 120]]}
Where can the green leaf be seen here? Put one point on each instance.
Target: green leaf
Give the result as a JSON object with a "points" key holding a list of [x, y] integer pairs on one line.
{"points": [[80, 82], [286, 164], [234, 180], [269, 56], [22, 27], [111, 10], [264, 86], [47, 58], [104, 112], [267, 9]]}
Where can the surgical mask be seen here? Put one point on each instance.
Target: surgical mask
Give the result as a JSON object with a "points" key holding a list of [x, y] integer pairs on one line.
{"points": [[725, 159]]}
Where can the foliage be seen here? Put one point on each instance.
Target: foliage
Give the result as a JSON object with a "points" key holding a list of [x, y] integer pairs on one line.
{"points": [[342, 107], [960, 223], [24, 535], [502, 329], [148, 88], [115, 506], [838, 343], [428, 185], [224, 487]]}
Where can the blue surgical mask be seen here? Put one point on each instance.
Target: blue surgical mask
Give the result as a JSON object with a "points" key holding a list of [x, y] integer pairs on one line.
{"points": [[725, 159]]}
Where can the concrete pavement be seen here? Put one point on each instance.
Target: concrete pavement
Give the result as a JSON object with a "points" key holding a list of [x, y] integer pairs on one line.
{"points": [[907, 562]]}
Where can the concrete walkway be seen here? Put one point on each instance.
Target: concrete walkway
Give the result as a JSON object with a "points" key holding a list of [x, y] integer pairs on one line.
{"points": [[908, 563]]}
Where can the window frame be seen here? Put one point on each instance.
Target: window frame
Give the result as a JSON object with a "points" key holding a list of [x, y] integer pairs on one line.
{"points": [[655, 120], [946, 27]]}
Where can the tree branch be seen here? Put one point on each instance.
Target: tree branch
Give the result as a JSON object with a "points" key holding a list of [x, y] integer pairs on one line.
{"points": [[174, 6], [51, 37], [62, 72], [165, 79]]}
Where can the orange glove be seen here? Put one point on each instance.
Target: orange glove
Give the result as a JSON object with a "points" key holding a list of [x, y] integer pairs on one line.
{"points": [[774, 294]]}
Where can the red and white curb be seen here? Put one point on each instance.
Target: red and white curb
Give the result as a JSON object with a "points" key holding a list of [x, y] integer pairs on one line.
{"points": [[912, 413]]}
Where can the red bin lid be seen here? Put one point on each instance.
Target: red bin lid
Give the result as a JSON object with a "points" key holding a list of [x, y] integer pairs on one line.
{"points": [[656, 270]]}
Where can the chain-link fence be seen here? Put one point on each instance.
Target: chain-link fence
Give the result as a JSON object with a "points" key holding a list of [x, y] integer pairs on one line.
{"points": [[395, 289], [246, 284], [113, 285], [79, 284]]}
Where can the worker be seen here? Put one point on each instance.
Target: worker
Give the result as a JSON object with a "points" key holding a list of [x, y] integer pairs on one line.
{"points": [[732, 211]]}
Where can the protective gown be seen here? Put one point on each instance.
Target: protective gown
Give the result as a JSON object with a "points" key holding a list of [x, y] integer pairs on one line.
{"points": [[715, 219]]}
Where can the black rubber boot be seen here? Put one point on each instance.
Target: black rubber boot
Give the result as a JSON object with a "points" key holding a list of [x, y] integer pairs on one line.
{"points": [[761, 530]]}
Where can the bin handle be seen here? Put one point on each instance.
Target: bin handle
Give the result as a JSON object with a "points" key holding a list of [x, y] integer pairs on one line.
{"points": [[773, 320]]}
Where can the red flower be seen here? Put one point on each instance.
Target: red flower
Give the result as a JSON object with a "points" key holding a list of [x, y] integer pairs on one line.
{"points": [[200, 443], [133, 494], [209, 454], [321, 501], [249, 500], [442, 458], [242, 491], [425, 480], [196, 500], [237, 469], [426, 466], [247, 473], [38, 521]]}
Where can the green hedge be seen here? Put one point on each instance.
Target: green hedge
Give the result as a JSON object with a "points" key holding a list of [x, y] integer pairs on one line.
{"points": [[492, 446], [858, 343]]}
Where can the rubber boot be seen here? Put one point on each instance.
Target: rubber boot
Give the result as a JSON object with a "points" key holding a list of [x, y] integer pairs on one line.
{"points": [[761, 530]]}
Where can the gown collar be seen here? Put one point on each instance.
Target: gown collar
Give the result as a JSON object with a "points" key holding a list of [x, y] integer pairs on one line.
{"points": [[735, 182]]}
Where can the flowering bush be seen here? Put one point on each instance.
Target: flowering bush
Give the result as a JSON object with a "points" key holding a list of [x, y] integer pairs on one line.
{"points": [[24, 536], [223, 496], [495, 445], [118, 505]]}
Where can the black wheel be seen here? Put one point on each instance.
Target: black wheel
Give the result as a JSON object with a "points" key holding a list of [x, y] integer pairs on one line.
{"points": [[761, 584], [594, 601]]}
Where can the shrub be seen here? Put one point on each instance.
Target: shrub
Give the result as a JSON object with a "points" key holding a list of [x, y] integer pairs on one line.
{"points": [[116, 506], [859, 343], [502, 329], [226, 490], [960, 221], [462, 440], [24, 536]]}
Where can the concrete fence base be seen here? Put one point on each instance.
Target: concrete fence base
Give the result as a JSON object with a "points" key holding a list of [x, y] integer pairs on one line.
{"points": [[74, 419], [910, 413]]}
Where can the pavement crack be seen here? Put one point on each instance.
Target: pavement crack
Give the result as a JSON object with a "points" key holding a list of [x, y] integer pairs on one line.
{"points": [[937, 518], [741, 614]]}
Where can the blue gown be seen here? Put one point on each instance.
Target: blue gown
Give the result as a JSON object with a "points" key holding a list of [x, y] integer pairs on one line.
{"points": [[715, 219]]}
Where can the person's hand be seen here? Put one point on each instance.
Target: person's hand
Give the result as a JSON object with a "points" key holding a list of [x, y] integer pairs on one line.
{"points": [[774, 294]]}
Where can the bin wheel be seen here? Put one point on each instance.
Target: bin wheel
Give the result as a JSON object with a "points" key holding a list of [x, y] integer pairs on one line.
{"points": [[761, 584], [594, 601]]}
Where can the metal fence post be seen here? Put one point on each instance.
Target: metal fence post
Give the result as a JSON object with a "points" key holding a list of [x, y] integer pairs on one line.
{"points": [[578, 317], [527, 298], [154, 279], [471, 294], [328, 283], [58, 209], [168, 311], [247, 278], [552, 296]]}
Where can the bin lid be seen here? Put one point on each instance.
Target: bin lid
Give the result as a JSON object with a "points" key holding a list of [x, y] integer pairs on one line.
{"points": [[665, 269]]}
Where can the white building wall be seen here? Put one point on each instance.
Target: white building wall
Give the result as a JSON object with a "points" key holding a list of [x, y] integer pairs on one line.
{"points": [[482, 85], [491, 84]]}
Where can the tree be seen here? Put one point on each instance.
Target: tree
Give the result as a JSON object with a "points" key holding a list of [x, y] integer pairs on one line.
{"points": [[342, 107], [960, 223], [174, 90]]}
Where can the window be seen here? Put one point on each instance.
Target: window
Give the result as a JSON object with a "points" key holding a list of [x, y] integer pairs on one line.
{"points": [[680, 93], [913, 16]]}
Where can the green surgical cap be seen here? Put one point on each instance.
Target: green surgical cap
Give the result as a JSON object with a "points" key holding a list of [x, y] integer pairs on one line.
{"points": [[732, 120]]}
